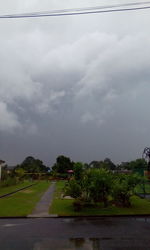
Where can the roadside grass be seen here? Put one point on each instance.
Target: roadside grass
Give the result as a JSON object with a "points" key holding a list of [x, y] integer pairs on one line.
{"points": [[6, 190], [64, 207], [23, 202]]}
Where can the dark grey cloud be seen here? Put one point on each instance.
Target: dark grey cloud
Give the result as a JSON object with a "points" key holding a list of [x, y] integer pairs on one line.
{"points": [[77, 86]]}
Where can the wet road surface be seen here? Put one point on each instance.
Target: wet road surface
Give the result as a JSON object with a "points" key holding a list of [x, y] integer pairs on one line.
{"points": [[75, 233]]}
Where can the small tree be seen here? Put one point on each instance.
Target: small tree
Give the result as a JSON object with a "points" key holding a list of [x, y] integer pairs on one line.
{"points": [[78, 171], [73, 189], [109, 164], [99, 185], [20, 173], [137, 164], [123, 189], [94, 186]]}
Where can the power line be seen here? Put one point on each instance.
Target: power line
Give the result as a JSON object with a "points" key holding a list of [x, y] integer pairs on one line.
{"points": [[86, 8], [81, 11]]}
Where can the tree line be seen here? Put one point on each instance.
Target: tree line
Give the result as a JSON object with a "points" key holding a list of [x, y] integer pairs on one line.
{"points": [[33, 168]]}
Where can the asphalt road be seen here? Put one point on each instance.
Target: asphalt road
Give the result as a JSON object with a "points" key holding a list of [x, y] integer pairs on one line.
{"points": [[80, 233]]}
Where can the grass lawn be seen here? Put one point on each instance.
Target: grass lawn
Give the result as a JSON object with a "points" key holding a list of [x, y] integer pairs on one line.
{"points": [[6, 190], [23, 202], [64, 207]]}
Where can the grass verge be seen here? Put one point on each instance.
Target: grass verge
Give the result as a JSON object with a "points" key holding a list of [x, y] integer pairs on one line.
{"points": [[64, 207], [23, 202], [6, 190]]}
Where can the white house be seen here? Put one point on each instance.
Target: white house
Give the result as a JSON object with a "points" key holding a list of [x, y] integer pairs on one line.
{"points": [[2, 164]]}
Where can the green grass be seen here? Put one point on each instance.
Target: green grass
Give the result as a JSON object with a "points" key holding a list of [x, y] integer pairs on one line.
{"points": [[23, 202], [64, 207], [6, 190]]}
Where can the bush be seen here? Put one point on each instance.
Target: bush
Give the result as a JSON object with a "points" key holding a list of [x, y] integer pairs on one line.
{"points": [[98, 185], [123, 189], [101, 185], [121, 194], [73, 189], [78, 171]]}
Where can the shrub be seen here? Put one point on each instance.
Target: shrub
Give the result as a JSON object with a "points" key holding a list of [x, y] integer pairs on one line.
{"points": [[73, 189], [123, 189], [98, 185]]}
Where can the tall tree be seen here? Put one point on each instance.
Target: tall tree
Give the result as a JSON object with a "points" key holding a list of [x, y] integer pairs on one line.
{"points": [[63, 164], [109, 164], [32, 165]]}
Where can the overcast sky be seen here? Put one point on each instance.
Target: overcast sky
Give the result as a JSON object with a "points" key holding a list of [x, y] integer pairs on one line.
{"points": [[75, 85]]}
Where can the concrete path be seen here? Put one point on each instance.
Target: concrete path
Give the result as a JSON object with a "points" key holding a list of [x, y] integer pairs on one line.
{"points": [[42, 208]]}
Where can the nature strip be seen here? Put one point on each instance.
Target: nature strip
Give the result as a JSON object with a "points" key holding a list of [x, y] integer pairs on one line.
{"points": [[4, 195]]}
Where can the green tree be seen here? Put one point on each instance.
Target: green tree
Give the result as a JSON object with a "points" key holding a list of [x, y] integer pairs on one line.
{"points": [[73, 189], [20, 172], [109, 164], [95, 186], [124, 188], [78, 171], [97, 164], [62, 165], [98, 183], [133, 165], [32, 165]]}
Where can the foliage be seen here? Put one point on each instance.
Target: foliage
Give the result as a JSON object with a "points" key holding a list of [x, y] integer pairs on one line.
{"points": [[20, 172], [4, 173], [73, 189], [32, 165], [66, 207], [86, 166], [123, 189], [94, 186], [97, 164], [78, 171], [62, 165], [132, 165], [107, 164], [8, 182], [97, 184]]}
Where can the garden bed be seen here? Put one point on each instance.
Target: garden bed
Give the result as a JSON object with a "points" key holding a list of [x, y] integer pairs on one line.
{"points": [[64, 207]]}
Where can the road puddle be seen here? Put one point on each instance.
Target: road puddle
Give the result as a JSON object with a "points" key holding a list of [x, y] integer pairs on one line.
{"points": [[69, 244]]}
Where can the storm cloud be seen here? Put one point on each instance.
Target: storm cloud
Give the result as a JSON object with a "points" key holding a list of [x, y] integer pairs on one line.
{"points": [[74, 85]]}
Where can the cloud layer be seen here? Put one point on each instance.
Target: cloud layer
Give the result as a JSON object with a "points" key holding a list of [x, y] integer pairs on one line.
{"points": [[57, 80]]}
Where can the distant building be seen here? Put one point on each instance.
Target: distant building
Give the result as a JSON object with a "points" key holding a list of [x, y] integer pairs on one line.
{"points": [[2, 163], [123, 171]]}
